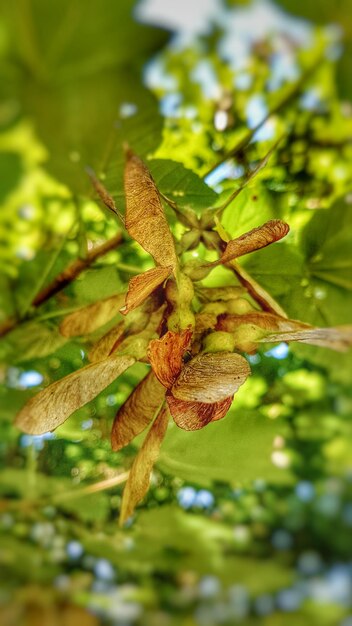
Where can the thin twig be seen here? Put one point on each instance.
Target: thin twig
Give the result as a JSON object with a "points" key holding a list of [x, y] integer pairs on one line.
{"points": [[72, 271], [250, 175], [102, 485], [72, 494]]}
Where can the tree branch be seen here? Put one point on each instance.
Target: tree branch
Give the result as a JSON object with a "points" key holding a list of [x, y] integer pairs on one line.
{"points": [[63, 279]]}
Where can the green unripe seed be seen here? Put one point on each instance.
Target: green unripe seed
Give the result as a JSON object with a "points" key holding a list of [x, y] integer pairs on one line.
{"points": [[171, 291], [185, 288], [246, 337], [196, 271], [190, 239], [215, 307], [180, 319], [211, 239], [239, 306], [219, 342]]}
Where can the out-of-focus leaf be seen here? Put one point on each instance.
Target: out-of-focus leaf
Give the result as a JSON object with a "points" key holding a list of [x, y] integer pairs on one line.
{"points": [[32, 340], [141, 286], [96, 284], [139, 477], [176, 540], [211, 377], [92, 507], [190, 415], [165, 355], [145, 219], [76, 71], [11, 170], [39, 272], [235, 450], [137, 412], [87, 319], [54, 404]]}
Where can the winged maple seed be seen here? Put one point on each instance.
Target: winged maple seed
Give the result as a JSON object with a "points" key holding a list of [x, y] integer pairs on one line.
{"points": [[190, 335]]}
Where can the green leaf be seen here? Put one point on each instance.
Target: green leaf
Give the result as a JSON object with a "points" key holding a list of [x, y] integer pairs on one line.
{"points": [[279, 269], [250, 209], [88, 508], [327, 244], [11, 170], [181, 184], [75, 73], [313, 282], [172, 179], [236, 450], [168, 540], [32, 340], [96, 284], [37, 273]]}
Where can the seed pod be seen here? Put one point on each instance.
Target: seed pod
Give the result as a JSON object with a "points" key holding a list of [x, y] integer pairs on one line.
{"points": [[239, 306], [145, 219], [246, 338], [181, 318], [211, 378], [185, 289], [216, 308], [190, 240], [196, 270], [219, 342], [211, 240]]}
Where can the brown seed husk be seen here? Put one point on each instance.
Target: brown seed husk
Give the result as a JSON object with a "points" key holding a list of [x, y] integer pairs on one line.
{"points": [[139, 478], [52, 406], [145, 219], [196, 415], [89, 318], [262, 319], [211, 377], [141, 286], [165, 355], [137, 412], [255, 239], [106, 343], [338, 338]]}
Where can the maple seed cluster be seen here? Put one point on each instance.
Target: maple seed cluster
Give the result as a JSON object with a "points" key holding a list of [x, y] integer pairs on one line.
{"points": [[191, 335]]}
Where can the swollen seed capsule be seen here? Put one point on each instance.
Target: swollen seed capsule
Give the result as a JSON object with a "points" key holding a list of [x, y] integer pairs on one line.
{"points": [[196, 271], [186, 318], [190, 239], [185, 288], [219, 342], [211, 240], [171, 291], [180, 319], [239, 306], [215, 307], [246, 337]]}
